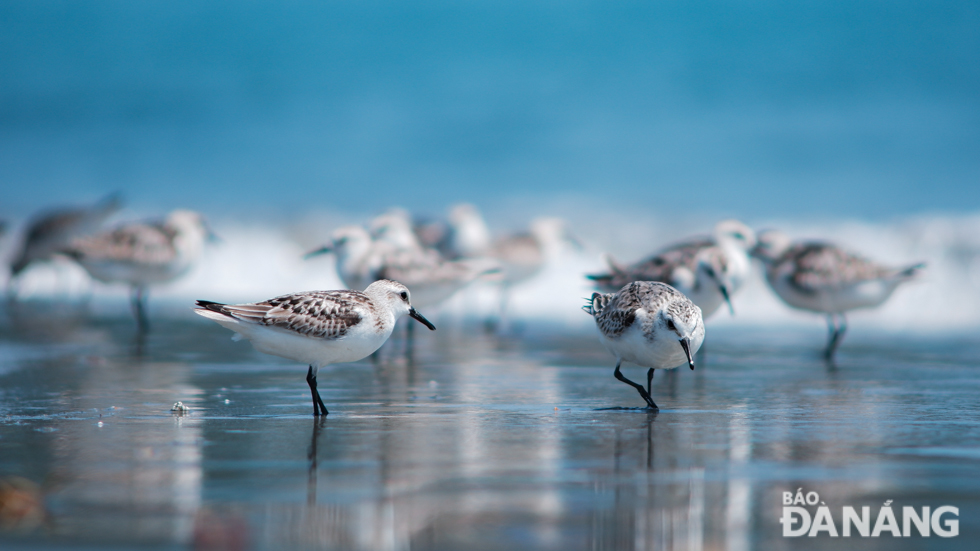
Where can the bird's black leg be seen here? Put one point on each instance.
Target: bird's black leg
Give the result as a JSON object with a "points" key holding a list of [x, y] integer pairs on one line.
{"points": [[317, 402], [839, 336], [649, 380], [639, 388], [836, 332], [139, 310]]}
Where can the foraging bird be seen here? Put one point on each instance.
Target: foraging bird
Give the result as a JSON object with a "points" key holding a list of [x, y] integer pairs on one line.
{"points": [[650, 324], [143, 254], [708, 270], [823, 278], [318, 328], [49, 233]]}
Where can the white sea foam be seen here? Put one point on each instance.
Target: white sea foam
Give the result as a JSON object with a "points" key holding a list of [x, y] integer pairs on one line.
{"points": [[260, 260]]}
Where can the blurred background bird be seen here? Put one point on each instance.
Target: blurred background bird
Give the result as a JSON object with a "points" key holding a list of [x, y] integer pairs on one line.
{"points": [[824, 278], [143, 254], [708, 270], [49, 232]]}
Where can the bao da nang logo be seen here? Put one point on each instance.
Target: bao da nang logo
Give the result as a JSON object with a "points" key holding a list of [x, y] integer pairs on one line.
{"points": [[797, 519]]}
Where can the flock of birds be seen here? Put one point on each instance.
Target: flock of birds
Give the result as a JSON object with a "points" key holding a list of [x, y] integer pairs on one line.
{"points": [[650, 313]]}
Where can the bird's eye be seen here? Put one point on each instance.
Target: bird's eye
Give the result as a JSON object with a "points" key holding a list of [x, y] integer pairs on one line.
{"points": [[739, 236], [405, 295], [671, 326]]}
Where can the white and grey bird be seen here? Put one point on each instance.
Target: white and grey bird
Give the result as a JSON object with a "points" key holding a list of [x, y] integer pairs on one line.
{"points": [[393, 231], [318, 328], [143, 254], [435, 280], [709, 270], [357, 257], [463, 234], [650, 324], [50, 232], [525, 254], [824, 278], [361, 261]]}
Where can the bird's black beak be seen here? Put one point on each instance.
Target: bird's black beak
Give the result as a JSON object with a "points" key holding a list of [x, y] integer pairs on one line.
{"points": [[686, 345], [724, 294], [317, 252], [415, 314]]}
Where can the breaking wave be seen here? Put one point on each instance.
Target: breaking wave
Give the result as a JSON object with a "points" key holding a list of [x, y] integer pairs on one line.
{"points": [[259, 260]]}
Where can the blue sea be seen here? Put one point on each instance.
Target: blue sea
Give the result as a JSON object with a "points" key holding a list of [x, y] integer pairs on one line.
{"points": [[639, 123]]}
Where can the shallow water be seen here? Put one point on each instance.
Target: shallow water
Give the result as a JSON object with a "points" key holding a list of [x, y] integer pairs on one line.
{"points": [[477, 442]]}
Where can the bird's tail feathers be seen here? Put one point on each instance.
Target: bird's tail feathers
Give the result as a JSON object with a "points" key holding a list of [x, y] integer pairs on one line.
{"points": [[615, 270], [212, 310], [596, 303]]}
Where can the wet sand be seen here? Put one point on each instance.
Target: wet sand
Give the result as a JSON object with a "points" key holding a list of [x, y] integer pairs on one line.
{"points": [[476, 441]]}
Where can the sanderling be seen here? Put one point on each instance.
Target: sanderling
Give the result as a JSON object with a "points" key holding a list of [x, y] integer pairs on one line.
{"points": [[142, 254], [524, 254], [464, 234], [318, 328], [823, 278], [650, 324], [357, 259], [392, 231], [708, 270], [435, 281], [49, 233], [361, 261]]}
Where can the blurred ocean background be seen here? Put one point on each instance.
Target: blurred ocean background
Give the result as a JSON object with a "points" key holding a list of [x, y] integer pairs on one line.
{"points": [[639, 122]]}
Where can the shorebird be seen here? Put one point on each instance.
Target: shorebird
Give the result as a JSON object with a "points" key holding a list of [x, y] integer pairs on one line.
{"points": [[823, 278], [318, 328], [650, 324], [708, 270], [361, 261], [143, 254], [435, 280], [392, 232], [48, 233], [523, 255], [357, 257]]}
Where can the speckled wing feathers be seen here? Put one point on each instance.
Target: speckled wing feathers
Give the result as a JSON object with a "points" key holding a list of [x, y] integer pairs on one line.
{"points": [[659, 267], [320, 314], [518, 249], [615, 313], [137, 243], [819, 266]]}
